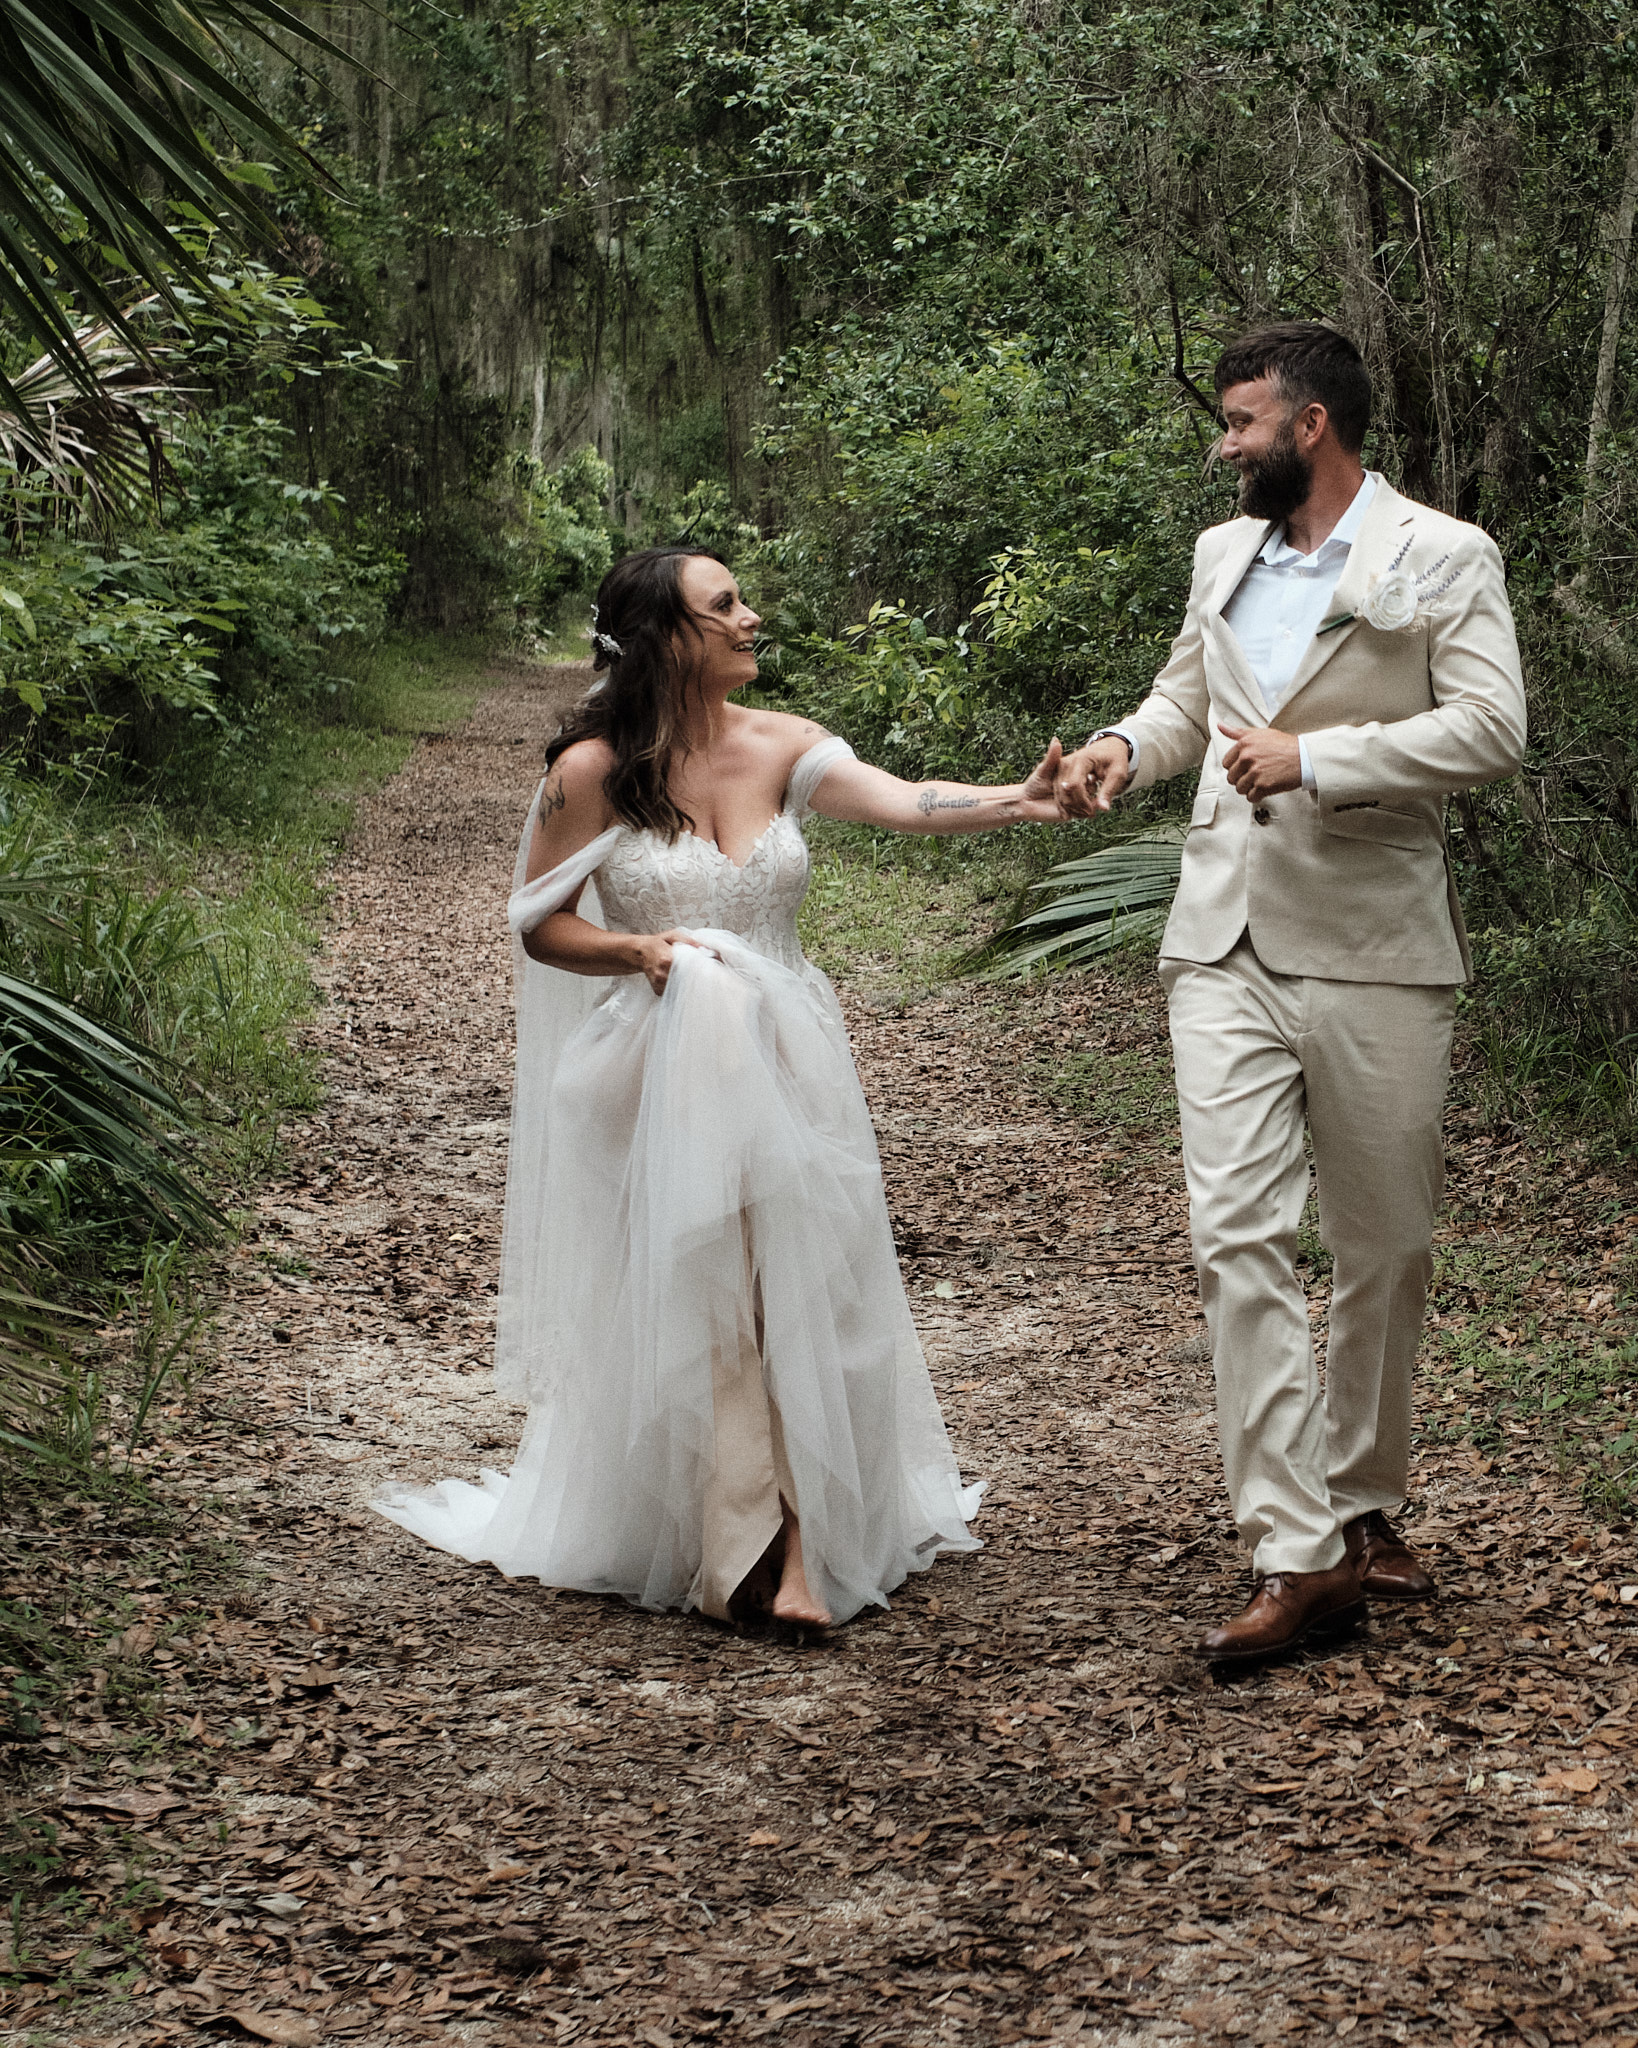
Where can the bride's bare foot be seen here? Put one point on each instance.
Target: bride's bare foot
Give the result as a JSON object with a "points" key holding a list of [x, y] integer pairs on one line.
{"points": [[753, 1597], [795, 1601]]}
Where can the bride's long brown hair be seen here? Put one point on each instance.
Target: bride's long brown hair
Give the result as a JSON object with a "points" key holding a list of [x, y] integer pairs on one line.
{"points": [[639, 706]]}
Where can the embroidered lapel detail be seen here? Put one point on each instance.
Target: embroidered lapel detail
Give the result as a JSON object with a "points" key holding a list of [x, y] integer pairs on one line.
{"points": [[1382, 535]]}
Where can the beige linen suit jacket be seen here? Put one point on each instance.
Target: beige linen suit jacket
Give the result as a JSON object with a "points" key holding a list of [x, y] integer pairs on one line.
{"points": [[1352, 882]]}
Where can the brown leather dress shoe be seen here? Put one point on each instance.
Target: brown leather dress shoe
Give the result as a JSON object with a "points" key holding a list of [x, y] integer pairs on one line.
{"points": [[1384, 1561], [1285, 1608]]}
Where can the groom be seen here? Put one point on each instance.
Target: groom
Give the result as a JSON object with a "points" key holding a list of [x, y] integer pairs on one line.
{"points": [[1347, 660]]}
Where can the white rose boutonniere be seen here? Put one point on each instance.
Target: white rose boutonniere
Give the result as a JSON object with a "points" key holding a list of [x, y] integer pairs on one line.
{"points": [[1390, 603], [1396, 599]]}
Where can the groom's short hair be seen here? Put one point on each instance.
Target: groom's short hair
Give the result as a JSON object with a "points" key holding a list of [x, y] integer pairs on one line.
{"points": [[1310, 365]]}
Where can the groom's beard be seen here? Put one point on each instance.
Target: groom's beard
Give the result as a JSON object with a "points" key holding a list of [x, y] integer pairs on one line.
{"points": [[1273, 486]]}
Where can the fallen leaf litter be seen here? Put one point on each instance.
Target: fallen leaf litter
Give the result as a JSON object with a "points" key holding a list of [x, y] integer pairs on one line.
{"points": [[387, 1797]]}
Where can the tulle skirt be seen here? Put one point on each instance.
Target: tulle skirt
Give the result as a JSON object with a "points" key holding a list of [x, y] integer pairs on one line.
{"points": [[718, 1314]]}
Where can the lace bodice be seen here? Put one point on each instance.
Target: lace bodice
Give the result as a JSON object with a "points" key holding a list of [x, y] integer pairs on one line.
{"points": [[645, 885]]}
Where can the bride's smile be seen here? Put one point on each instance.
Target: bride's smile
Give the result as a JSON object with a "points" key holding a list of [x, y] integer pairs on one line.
{"points": [[725, 625]]}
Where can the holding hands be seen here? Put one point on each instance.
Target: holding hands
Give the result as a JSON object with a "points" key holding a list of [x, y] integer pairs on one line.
{"points": [[1092, 777], [1038, 794], [1260, 763]]}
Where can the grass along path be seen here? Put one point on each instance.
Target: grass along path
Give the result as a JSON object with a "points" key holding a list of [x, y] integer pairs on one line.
{"points": [[344, 1789]]}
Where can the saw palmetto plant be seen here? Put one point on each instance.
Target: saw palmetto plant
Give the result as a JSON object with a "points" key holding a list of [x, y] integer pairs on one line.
{"points": [[101, 108], [97, 445], [73, 1085], [1094, 903], [76, 1096]]}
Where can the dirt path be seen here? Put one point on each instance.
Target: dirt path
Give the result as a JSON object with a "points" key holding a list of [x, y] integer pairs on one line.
{"points": [[391, 1798]]}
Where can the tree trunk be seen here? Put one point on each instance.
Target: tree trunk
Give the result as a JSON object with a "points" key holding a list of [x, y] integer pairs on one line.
{"points": [[702, 301], [1440, 463], [1615, 292]]}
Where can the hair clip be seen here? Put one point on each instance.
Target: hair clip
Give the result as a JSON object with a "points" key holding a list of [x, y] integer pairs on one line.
{"points": [[605, 643]]}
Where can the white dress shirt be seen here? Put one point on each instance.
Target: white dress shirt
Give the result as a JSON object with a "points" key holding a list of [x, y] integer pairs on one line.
{"points": [[1280, 604]]}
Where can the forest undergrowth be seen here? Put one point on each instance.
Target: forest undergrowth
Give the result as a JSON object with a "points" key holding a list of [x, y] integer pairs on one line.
{"points": [[191, 905], [275, 1772]]}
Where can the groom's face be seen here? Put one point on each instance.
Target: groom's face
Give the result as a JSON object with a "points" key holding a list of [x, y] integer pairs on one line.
{"points": [[1275, 476]]}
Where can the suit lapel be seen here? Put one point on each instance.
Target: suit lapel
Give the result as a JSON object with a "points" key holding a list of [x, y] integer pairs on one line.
{"points": [[1235, 670], [1382, 534], [1241, 552]]}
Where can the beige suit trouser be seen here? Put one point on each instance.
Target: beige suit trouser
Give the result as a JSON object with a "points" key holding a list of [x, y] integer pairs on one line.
{"points": [[1367, 1063], [751, 1472]]}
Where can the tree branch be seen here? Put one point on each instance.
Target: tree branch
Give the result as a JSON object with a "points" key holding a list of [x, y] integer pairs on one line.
{"points": [[1368, 153], [1191, 388]]}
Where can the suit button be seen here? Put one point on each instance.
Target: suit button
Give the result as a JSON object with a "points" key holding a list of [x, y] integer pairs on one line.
{"points": [[1262, 814]]}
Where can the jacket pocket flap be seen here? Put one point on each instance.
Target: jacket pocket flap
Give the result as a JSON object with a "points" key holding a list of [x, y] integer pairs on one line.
{"points": [[1205, 808], [1381, 825]]}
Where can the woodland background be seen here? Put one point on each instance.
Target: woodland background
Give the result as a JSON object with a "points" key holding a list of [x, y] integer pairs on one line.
{"points": [[910, 311], [340, 353]]}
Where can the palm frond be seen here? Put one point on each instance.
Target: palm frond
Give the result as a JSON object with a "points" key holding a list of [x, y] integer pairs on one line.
{"points": [[97, 445], [71, 1084], [33, 1334], [1098, 901], [74, 1090], [91, 107], [29, 900]]}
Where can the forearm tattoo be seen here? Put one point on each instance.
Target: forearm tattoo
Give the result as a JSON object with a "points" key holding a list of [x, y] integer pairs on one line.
{"points": [[930, 801]]}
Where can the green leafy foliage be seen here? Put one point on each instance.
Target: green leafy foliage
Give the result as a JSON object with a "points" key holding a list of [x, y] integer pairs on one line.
{"points": [[913, 677], [1557, 1031], [91, 125], [567, 531], [1118, 896], [252, 587], [1042, 509]]}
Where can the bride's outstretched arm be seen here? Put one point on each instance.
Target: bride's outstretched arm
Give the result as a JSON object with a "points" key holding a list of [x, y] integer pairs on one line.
{"points": [[862, 795]]}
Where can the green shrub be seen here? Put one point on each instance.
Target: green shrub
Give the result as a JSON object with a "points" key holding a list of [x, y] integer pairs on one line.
{"points": [[567, 532], [250, 589], [982, 551], [1555, 1019]]}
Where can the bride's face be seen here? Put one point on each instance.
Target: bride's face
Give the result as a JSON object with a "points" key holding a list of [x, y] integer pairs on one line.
{"points": [[725, 623]]}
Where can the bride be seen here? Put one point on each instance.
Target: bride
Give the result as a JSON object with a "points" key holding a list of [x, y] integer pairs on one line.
{"points": [[700, 1301]]}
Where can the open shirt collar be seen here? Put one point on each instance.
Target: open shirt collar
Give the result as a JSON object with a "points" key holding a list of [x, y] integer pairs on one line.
{"points": [[1279, 555]]}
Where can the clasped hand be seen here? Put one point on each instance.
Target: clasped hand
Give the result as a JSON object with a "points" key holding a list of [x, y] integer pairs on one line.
{"points": [[1259, 764], [1262, 763]]}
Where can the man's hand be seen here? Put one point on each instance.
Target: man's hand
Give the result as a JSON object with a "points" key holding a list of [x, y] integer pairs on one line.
{"points": [[1261, 763], [1092, 777]]}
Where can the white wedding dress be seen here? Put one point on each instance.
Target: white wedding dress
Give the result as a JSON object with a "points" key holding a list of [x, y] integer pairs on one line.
{"points": [[700, 1298]]}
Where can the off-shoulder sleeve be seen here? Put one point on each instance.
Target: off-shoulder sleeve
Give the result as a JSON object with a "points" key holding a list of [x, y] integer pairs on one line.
{"points": [[810, 770], [552, 1004], [531, 901]]}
